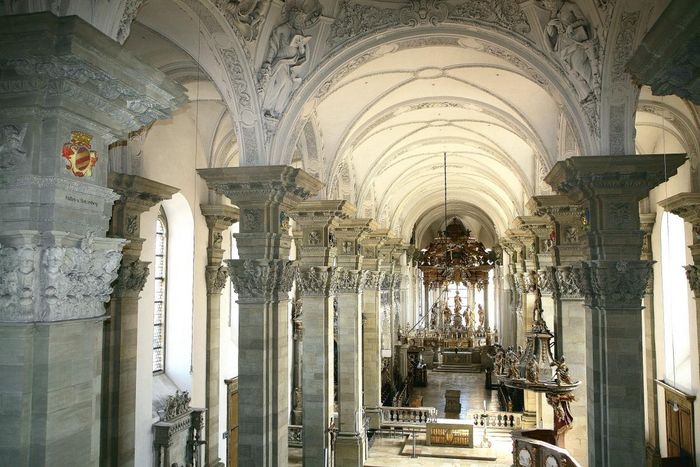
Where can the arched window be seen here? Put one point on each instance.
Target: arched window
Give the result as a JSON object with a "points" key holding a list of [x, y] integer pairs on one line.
{"points": [[160, 269]]}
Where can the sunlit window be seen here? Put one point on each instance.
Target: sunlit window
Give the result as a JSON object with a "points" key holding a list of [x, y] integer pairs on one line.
{"points": [[160, 267]]}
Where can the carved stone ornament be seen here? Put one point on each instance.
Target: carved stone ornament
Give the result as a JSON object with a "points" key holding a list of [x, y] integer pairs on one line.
{"points": [[131, 7], [261, 279], [12, 150], [131, 279], [246, 16], [424, 12], [692, 272], [55, 283], [175, 405], [567, 282], [216, 278], [373, 280], [617, 284], [351, 281], [318, 280], [546, 281]]}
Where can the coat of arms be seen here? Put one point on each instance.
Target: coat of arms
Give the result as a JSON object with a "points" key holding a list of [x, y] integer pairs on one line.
{"points": [[81, 158]]}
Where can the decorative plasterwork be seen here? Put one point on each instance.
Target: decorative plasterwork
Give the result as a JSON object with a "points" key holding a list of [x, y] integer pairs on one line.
{"points": [[247, 16], [131, 7], [355, 19]]}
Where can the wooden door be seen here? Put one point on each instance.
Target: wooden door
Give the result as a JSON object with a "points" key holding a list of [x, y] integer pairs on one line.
{"points": [[232, 422], [679, 423]]}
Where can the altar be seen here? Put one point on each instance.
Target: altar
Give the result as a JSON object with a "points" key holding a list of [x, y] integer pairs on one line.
{"points": [[444, 433]]}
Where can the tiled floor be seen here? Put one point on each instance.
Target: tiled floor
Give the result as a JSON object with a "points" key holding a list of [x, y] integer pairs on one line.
{"points": [[386, 450]]}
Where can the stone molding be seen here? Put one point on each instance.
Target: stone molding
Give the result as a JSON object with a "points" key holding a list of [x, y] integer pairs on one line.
{"points": [[613, 284], [56, 276], [139, 194]]}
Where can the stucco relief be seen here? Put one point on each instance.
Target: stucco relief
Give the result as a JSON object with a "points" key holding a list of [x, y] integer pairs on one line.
{"points": [[287, 51], [247, 16], [12, 150]]}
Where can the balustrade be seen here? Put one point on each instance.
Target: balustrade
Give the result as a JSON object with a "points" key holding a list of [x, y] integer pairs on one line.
{"points": [[408, 416], [498, 420]]}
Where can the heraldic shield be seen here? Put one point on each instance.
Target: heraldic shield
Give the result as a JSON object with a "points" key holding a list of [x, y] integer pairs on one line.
{"points": [[81, 158]]}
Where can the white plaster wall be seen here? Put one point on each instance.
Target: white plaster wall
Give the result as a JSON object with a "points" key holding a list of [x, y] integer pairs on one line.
{"points": [[677, 184]]}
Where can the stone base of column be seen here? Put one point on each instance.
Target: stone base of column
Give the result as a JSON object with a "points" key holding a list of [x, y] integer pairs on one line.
{"points": [[350, 449]]}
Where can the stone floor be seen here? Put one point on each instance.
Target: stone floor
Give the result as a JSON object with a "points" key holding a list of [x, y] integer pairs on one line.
{"points": [[387, 450]]}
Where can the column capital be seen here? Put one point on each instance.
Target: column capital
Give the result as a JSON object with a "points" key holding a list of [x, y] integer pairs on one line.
{"points": [[613, 284], [261, 280], [692, 272], [373, 280], [317, 221], [131, 278], [351, 280], [215, 277], [317, 280], [567, 282], [349, 233]]}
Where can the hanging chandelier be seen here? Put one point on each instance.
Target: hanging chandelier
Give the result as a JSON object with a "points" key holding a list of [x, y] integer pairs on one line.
{"points": [[454, 255]]}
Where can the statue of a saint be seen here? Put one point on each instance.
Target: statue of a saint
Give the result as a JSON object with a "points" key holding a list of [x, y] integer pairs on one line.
{"points": [[532, 371], [561, 371], [482, 317], [458, 303], [512, 360]]}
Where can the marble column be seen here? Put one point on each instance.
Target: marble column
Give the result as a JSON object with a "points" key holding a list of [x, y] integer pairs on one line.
{"points": [[262, 278], [219, 218], [63, 100], [351, 443], [372, 324], [318, 280], [613, 281], [137, 195]]}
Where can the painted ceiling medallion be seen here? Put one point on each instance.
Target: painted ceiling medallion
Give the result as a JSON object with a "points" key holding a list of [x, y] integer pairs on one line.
{"points": [[79, 154]]}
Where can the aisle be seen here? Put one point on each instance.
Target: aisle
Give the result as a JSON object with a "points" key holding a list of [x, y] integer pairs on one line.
{"points": [[473, 392]]}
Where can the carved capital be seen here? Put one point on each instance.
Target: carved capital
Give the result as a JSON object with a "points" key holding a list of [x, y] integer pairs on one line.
{"points": [[351, 281], [613, 284], [216, 279], [255, 280], [373, 280], [692, 272], [131, 278], [567, 282], [546, 281], [318, 280]]}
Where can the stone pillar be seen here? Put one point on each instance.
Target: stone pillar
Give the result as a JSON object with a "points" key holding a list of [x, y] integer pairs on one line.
{"points": [[372, 325], [262, 278], [351, 443], [138, 195], [613, 282], [63, 99], [558, 281], [647, 222], [318, 281], [219, 218]]}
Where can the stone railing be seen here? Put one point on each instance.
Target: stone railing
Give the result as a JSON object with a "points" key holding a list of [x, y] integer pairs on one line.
{"points": [[496, 420], [408, 416], [528, 452], [295, 436]]}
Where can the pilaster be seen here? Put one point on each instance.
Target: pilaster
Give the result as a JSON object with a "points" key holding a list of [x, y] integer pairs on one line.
{"points": [[612, 282], [137, 195], [219, 218], [262, 278]]}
